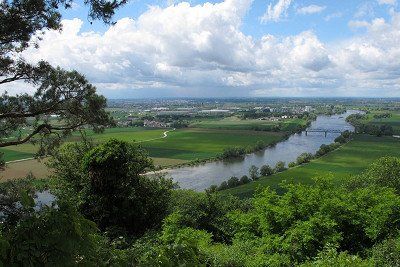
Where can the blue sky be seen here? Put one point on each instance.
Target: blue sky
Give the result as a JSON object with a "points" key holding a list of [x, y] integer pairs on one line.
{"points": [[331, 24], [234, 48]]}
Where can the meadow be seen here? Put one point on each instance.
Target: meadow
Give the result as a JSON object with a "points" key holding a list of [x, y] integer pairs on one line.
{"points": [[235, 123], [350, 159], [393, 121], [180, 146], [191, 144]]}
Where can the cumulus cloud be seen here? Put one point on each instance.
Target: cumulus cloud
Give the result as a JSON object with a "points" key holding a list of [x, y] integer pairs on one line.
{"points": [[311, 9], [276, 12], [201, 50]]}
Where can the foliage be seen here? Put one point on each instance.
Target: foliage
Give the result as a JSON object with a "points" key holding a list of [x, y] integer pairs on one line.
{"points": [[304, 158], [302, 222], [232, 152], [66, 164], [266, 170], [245, 179], [325, 149], [110, 183], [253, 172], [53, 234], [383, 172], [279, 166], [331, 257], [205, 211], [360, 122], [64, 100], [387, 253]]}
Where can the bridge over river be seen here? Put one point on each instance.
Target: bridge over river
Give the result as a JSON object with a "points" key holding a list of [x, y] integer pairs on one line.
{"points": [[321, 130]]}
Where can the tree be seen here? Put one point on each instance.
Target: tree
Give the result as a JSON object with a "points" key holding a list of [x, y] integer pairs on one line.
{"points": [[253, 172], [110, 186], [266, 170], [55, 234], [64, 100], [244, 179], [279, 166], [233, 181], [304, 158]]}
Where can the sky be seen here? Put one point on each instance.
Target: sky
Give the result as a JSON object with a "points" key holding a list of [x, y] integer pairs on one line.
{"points": [[233, 48]]}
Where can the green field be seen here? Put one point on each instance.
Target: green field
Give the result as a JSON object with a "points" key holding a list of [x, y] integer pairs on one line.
{"points": [[178, 147], [127, 134], [235, 123], [191, 144], [393, 121], [352, 158]]}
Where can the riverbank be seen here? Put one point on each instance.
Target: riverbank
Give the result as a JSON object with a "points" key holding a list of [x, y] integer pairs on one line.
{"points": [[350, 159], [214, 173]]}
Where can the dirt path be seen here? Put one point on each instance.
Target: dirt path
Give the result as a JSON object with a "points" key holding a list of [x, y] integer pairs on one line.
{"points": [[165, 134]]}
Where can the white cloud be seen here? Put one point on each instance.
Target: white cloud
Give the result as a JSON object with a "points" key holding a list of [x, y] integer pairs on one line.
{"points": [[276, 12], [358, 24], [333, 16], [311, 9], [387, 2], [366, 9], [201, 50]]}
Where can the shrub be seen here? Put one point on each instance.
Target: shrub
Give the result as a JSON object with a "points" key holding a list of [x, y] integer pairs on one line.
{"points": [[279, 167], [292, 164], [233, 182], [253, 172], [233, 152], [266, 170], [304, 158], [245, 179]]}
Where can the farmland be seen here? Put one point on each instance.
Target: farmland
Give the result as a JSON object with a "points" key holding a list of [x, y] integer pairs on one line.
{"points": [[180, 146], [350, 159], [393, 121], [191, 144], [235, 123]]}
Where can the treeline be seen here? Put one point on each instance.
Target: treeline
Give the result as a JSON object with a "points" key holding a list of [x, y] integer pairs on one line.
{"points": [[238, 152], [107, 214], [267, 170], [254, 172], [361, 125]]}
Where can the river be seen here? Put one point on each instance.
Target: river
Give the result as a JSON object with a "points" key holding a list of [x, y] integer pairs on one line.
{"points": [[203, 176]]}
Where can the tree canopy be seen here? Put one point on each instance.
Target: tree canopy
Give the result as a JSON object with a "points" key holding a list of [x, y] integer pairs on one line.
{"points": [[62, 100]]}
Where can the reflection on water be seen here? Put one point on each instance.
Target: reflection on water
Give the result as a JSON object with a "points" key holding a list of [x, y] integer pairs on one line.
{"points": [[203, 176]]}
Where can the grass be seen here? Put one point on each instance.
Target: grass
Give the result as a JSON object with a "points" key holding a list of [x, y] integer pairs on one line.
{"points": [[235, 123], [178, 147], [191, 144], [352, 158], [393, 121], [136, 134], [13, 153]]}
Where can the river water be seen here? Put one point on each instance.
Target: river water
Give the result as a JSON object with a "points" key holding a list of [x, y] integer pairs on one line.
{"points": [[214, 173]]}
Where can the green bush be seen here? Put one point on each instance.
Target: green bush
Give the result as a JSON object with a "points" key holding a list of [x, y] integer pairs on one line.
{"points": [[266, 170]]}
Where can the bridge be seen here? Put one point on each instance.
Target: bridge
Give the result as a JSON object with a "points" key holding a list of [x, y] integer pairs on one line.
{"points": [[320, 130]]}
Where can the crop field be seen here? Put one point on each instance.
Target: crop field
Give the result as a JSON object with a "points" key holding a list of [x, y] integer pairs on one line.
{"points": [[191, 144], [26, 150], [180, 146], [133, 134], [393, 121], [350, 159], [22, 168], [235, 123]]}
